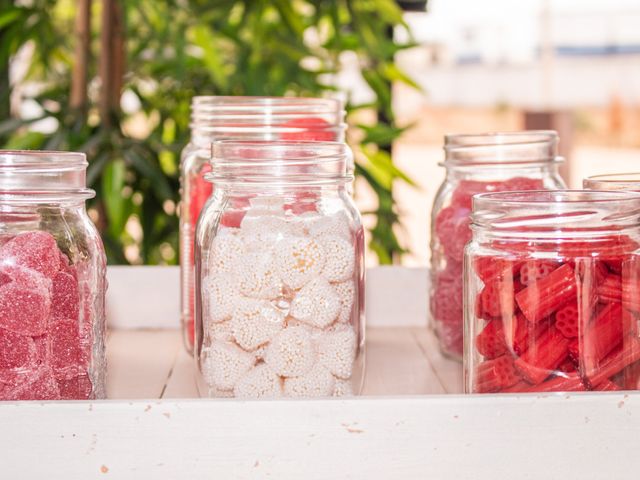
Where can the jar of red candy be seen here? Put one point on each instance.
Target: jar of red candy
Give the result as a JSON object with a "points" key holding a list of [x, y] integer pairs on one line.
{"points": [[258, 118], [280, 273], [52, 280], [553, 292], [478, 164], [613, 181]]}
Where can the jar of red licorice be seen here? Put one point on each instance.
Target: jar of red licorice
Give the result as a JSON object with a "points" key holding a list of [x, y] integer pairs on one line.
{"points": [[552, 292], [52, 280], [250, 118], [478, 164]]}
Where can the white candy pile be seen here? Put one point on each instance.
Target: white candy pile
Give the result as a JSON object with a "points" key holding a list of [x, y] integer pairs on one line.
{"points": [[278, 303]]}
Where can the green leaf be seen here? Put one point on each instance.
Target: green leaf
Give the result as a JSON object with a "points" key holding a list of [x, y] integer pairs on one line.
{"points": [[394, 74], [205, 39], [151, 171], [113, 182], [382, 134]]}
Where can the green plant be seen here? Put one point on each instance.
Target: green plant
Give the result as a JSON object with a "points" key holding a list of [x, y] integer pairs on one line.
{"points": [[152, 56]]}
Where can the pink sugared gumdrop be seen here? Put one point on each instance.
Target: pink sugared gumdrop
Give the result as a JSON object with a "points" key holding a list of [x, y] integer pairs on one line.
{"points": [[16, 351], [24, 300], [39, 384], [36, 250], [65, 299], [67, 351], [76, 388]]}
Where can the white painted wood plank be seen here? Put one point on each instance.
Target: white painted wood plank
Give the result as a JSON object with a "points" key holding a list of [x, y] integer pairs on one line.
{"points": [[586, 436], [181, 382], [395, 364], [139, 362], [448, 371], [149, 297]]}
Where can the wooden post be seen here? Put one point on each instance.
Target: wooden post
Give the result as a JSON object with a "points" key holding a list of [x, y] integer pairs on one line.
{"points": [[112, 58], [78, 96]]}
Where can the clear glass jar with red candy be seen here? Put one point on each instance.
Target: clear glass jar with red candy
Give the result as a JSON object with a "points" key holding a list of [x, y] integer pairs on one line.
{"points": [[478, 164], [280, 273], [553, 292], [52, 280], [251, 118]]}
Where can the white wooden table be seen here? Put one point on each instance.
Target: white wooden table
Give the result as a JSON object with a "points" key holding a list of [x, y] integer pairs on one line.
{"points": [[409, 423]]}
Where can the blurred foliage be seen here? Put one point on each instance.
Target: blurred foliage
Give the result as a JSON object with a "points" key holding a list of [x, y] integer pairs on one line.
{"points": [[175, 49]]}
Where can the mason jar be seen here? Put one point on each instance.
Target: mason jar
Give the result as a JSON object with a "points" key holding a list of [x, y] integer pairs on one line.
{"points": [[280, 273], [613, 181], [553, 292], [478, 164], [52, 280], [254, 118]]}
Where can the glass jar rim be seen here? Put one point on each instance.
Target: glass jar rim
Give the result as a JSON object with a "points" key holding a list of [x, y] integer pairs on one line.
{"points": [[307, 162], [213, 103], [613, 181], [42, 159], [540, 198], [502, 148]]}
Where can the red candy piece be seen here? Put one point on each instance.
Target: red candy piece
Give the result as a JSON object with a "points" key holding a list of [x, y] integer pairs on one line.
{"points": [[533, 270], [200, 192], [497, 299], [551, 349], [616, 362], [65, 299], [490, 341], [35, 250], [76, 388], [452, 228], [66, 349], [602, 336], [542, 298], [567, 320], [568, 383], [16, 351], [607, 386], [24, 301], [610, 289], [39, 384], [311, 128], [495, 375]]}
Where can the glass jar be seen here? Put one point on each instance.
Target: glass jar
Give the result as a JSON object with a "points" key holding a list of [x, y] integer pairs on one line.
{"points": [[253, 118], [280, 273], [553, 292], [614, 181], [478, 164], [52, 280]]}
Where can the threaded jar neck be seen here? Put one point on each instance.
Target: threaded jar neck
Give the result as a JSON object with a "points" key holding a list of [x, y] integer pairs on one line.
{"points": [[556, 215], [502, 149], [615, 181], [241, 163]]}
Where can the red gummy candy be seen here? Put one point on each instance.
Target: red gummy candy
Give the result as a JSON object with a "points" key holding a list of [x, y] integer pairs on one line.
{"points": [[452, 229], [308, 129], [24, 301], [35, 250], [67, 352], [16, 351], [76, 388], [65, 299], [39, 384], [495, 375]]}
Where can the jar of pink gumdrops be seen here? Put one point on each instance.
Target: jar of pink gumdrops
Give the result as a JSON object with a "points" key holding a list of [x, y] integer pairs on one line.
{"points": [[478, 163], [52, 280]]}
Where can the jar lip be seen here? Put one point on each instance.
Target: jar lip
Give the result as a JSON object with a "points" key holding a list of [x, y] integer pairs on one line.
{"points": [[250, 103], [538, 198], [613, 181], [496, 139], [42, 159]]}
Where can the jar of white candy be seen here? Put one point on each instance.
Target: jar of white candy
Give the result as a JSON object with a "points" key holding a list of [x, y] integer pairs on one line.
{"points": [[280, 273]]}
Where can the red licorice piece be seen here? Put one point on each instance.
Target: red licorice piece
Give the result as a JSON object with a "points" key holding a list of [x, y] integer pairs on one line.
{"points": [[540, 361], [495, 375], [616, 362], [490, 341], [601, 337], [606, 386], [492, 268], [533, 270], [540, 299], [610, 289], [200, 192], [497, 299], [311, 128], [568, 383], [568, 320], [520, 334]]}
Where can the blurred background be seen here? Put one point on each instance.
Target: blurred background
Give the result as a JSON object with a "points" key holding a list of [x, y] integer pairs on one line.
{"points": [[114, 78]]}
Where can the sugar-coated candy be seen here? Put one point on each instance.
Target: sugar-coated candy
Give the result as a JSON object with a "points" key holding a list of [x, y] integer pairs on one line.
{"points": [[224, 364], [317, 382], [336, 225], [75, 388], [37, 385], [220, 296], [66, 349], [316, 304], [298, 260], [337, 351], [255, 322], [292, 352], [342, 388], [257, 276], [226, 251], [65, 298], [35, 250], [267, 204], [259, 382], [220, 331], [25, 301], [16, 351], [340, 258], [346, 293]]}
